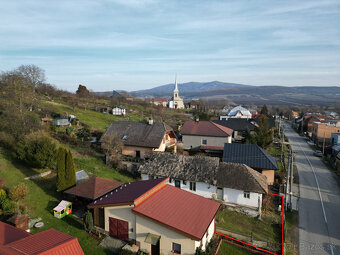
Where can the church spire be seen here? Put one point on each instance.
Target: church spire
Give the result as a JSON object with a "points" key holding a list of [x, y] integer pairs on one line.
{"points": [[176, 87]]}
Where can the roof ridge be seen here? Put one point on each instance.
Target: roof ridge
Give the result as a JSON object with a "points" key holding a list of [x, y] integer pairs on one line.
{"points": [[269, 157]]}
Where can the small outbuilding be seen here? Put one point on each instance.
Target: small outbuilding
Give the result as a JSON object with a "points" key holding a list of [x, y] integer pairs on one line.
{"points": [[64, 208], [81, 176]]}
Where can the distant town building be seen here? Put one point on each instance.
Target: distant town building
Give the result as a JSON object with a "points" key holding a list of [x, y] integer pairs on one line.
{"points": [[237, 112], [176, 102], [322, 132], [157, 101], [118, 111]]}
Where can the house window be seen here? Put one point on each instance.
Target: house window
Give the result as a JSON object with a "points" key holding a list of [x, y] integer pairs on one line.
{"points": [[170, 180], [177, 183], [204, 141], [184, 182], [193, 186], [176, 248], [246, 194]]}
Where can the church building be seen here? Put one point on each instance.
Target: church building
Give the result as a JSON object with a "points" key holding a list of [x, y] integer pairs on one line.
{"points": [[176, 102]]}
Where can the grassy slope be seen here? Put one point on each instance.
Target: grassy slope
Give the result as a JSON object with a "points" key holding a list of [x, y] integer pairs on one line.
{"points": [[237, 222], [227, 248], [42, 197]]}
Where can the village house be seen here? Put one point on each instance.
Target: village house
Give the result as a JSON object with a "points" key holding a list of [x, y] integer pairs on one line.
{"points": [[118, 111], [253, 156], [14, 241], [294, 115], [322, 132], [85, 193], [239, 127], [158, 101], [202, 135], [236, 112], [307, 122], [159, 218], [234, 184], [141, 139]]}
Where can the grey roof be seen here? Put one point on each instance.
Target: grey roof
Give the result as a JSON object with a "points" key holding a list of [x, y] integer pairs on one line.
{"points": [[138, 133], [189, 168], [250, 154], [235, 110], [236, 124], [81, 175], [205, 169], [241, 177], [271, 122]]}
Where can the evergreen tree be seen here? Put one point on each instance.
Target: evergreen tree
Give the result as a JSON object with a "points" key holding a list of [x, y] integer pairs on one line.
{"points": [[263, 134], [88, 221], [70, 176], [61, 169], [264, 110]]}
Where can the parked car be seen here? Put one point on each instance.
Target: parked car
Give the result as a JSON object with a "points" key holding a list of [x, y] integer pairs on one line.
{"points": [[318, 153], [310, 143]]}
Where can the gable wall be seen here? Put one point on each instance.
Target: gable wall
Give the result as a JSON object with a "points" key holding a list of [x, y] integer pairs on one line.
{"points": [[237, 197]]}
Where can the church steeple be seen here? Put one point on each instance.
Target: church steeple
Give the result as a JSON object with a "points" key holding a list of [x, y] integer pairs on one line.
{"points": [[176, 87]]}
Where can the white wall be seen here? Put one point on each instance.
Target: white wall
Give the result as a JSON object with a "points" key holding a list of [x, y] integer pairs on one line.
{"points": [[237, 197], [209, 191]]}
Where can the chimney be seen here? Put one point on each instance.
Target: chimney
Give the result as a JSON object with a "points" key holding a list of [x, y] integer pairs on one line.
{"points": [[150, 121]]}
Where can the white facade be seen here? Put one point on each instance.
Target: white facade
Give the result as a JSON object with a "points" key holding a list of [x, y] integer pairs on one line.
{"points": [[232, 196], [118, 111]]}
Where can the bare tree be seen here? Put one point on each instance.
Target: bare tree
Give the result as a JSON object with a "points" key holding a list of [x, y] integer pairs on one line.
{"points": [[112, 146]]}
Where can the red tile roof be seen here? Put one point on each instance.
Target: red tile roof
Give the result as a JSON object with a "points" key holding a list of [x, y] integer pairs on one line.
{"points": [[51, 242], [181, 210], [94, 188], [127, 193], [14, 241], [207, 128], [9, 233]]}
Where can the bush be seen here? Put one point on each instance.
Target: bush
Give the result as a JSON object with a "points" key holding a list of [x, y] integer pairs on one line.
{"points": [[3, 196], [88, 221], [9, 206], [18, 192], [37, 150]]}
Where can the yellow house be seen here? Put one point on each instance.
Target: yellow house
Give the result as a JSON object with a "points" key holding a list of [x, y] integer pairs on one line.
{"points": [[141, 139], [160, 218]]}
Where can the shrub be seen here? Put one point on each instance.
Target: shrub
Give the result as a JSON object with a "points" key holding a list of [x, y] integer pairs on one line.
{"points": [[61, 168], [18, 192], [3, 195], [70, 170], [88, 221], [37, 150], [9, 206]]}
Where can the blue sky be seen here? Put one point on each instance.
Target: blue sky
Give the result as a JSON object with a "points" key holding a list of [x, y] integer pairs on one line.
{"points": [[138, 44]]}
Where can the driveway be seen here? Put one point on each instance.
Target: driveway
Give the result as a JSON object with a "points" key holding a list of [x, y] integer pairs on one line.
{"points": [[319, 202]]}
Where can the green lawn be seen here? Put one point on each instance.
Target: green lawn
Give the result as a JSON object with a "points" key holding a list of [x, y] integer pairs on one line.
{"points": [[227, 248], [42, 197], [94, 119], [262, 230]]}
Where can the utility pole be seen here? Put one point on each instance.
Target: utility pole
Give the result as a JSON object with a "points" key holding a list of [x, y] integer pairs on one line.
{"points": [[291, 178], [323, 144], [287, 183]]}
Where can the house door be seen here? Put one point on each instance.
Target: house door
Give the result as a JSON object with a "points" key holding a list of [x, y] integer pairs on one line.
{"points": [[220, 193], [101, 218], [119, 229], [155, 249]]}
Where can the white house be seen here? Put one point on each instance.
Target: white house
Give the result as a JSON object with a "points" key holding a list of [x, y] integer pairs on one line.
{"points": [[118, 111], [234, 184], [237, 112], [160, 218]]}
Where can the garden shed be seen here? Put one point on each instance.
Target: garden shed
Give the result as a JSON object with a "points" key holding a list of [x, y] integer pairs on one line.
{"points": [[81, 176], [64, 208]]}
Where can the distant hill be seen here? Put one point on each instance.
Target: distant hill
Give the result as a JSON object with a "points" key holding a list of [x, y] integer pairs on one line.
{"points": [[185, 88], [244, 94]]}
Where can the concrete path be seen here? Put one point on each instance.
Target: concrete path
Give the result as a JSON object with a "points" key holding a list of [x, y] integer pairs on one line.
{"points": [[319, 202], [112, 244], [36, 176]]}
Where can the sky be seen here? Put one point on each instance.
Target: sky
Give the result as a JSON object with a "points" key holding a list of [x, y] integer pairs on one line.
{"points": [[138, 44]]}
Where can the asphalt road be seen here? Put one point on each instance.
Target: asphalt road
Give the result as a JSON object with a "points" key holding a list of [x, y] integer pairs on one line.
{"points": [[319, 202]]}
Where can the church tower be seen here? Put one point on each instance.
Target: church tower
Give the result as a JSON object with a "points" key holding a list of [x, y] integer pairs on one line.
{"points": [[177, 102]]}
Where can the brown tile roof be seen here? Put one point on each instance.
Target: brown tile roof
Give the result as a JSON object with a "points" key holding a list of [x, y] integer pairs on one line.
{"points": [[139, 134], [127, 193], [241, 177], [207, 128], [181, 210], [94, 188]]}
